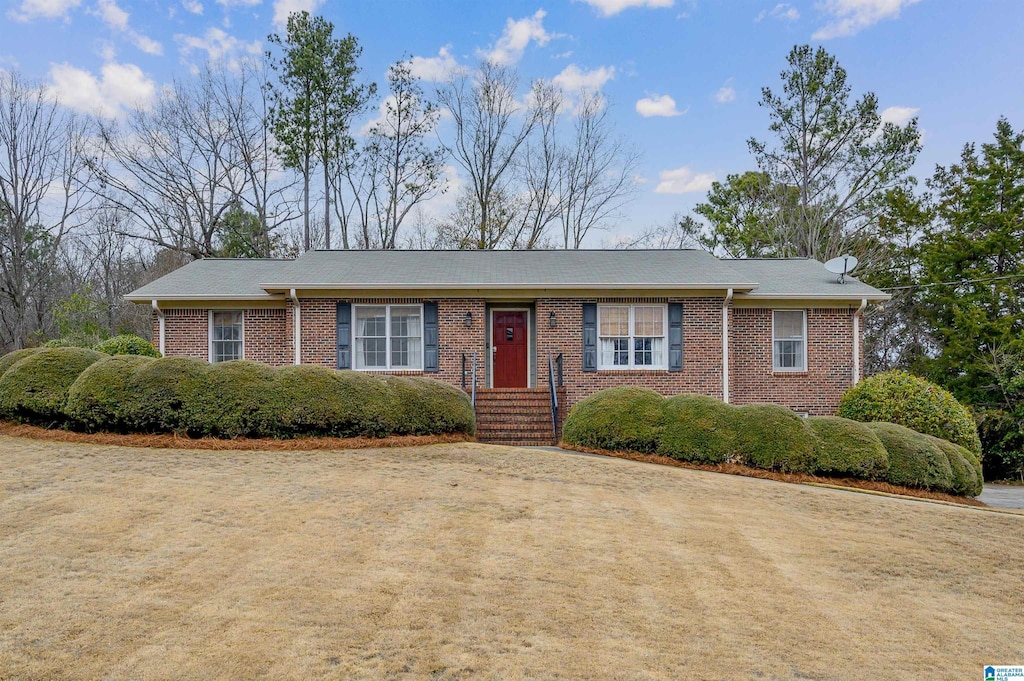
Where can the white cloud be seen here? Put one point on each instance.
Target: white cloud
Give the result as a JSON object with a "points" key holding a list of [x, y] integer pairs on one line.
{"points": [[192, 6], [850, 17], [516, 37], [610, 7], [43, 9], [899, 115], [117, 18], [683, 181], [572, 79], [656, 105], [282, 8], [783, 11], [118, 87], [219, 46], [245, 3], [437, 68], [725, 94]]}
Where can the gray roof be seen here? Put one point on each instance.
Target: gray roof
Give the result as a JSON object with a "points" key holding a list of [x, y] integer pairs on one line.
{"points": [[796, 277], [227, 279]]}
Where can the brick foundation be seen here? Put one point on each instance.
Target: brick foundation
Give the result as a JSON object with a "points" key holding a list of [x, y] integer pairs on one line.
{"points": [[269, 338]]}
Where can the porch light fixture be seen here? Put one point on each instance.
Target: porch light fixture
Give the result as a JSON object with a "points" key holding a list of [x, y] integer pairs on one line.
{"points": [[553, 321], [469, 320]]}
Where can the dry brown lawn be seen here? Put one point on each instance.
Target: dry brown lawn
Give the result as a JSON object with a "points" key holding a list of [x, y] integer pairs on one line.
{"points": [[464, 561]]}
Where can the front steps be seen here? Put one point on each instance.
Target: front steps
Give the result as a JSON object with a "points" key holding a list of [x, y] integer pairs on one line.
{"points": [[518, 417]]}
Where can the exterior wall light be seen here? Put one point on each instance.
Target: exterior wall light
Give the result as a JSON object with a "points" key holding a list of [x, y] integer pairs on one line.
{"points": [[469, 320], [553, 320]]}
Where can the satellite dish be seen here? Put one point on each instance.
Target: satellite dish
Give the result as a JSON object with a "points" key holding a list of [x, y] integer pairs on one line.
{"points": [[842, 266]]}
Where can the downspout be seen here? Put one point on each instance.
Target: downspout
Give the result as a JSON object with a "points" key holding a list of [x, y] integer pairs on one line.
{"points": [[163, 328], [856, 340], [725, 346], [296, 326]]}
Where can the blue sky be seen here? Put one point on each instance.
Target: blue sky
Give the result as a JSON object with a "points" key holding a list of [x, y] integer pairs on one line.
{"points": [[694, 67]]}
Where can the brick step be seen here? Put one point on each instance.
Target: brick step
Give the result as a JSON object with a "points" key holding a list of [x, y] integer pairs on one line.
{"points": [[513, 414], [518, 441], [532, 431], [525, 420]]}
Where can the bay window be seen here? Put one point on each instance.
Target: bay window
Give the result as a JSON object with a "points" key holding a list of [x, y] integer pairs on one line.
{"points": [[631, 336], [388, 337]]}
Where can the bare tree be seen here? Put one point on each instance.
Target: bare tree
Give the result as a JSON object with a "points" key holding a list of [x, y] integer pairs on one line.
{"points": [[491, 125], [540, 168], [43, 172], [596, 180]]}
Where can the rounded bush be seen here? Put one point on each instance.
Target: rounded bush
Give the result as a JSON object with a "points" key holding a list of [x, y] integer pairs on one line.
{"points": [[847, 448], [230, 401], [35, 388], [312, 400], [13, 356], [965, 480], [623, 418], [99, 397], [158, 392], [914, 459], [904, 399], [423, 405], [697, 428], [127, 344], [772, 437]]}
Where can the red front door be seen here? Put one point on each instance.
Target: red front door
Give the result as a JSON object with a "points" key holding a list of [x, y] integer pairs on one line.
{"points": [[509, 348]]}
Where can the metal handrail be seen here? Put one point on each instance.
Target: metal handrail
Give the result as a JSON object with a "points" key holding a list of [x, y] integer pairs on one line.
{"points": [[554, 393], [472, 396]]}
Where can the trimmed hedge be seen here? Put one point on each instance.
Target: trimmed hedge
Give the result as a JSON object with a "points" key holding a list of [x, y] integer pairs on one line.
{"points": [[899, 397], [914, 458], [847, 448], [965, 480], [10, 358], [99, 399], [127, 344], [697, 428], [774, 438], [623, 418], [35, 388]]}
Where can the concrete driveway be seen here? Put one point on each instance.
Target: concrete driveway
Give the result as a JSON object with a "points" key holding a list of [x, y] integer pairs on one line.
{"points": [[1005, 496]]}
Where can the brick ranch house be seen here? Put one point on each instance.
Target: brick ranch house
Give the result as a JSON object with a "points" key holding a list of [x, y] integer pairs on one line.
{"points": [[745, 331]]}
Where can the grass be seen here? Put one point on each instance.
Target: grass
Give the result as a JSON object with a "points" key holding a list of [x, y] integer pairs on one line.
{"points": [[462, 561]]}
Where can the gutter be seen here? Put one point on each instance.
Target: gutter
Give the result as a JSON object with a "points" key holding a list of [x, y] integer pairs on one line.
{"points": [[163, 327], [725, 346], [856, 339], [296, 326]]}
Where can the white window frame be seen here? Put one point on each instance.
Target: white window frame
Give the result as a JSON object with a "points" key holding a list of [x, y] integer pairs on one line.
{"points": [[803, 367], [631, 366], [387, 336], [209, 333]]}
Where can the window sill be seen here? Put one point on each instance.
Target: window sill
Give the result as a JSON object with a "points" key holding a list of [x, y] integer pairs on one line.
{"points": [[632, 370], [794, 372], [389, 371]]}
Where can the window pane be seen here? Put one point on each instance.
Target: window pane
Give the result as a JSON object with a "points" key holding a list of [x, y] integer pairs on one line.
{"points": [[614, 352], [648, 321], [371, 322], [614, 321], [642, 352], [789, 354], [789, 324], [226, 334], [371, 353]]}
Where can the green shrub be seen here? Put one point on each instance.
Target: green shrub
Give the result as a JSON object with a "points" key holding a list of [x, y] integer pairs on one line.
{"points": [[697, 428], [847, 448], [11, 357], [99, 399], [965, 480], [914, 459], [624, 418], [774, 438], [35, 389], [74, 341], [898, 397], [319, 401], [157, 393], [423, 405], [127, 344], [230, 401]]}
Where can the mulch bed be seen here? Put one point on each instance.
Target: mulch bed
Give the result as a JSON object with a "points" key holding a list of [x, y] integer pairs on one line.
{"points": [[747, 471], [174, 441]]}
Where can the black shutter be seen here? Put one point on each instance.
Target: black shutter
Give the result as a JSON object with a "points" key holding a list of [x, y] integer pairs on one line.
{"points": [[344, 335], [590, 336], [675, 336], [430, 337]]}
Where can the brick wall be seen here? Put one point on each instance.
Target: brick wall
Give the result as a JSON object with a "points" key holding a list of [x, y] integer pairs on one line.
{"points": [[702, 349], [829, 361], [268, 338]]}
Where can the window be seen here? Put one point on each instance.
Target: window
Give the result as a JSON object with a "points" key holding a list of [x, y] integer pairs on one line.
{"points": [[789, 340], [226, 335], [388, 337], [631, 336]]}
